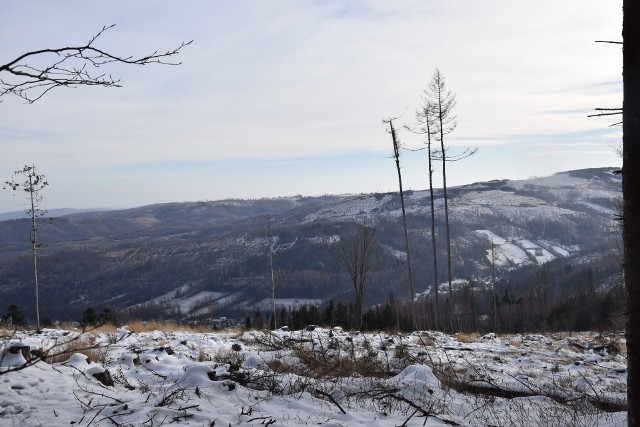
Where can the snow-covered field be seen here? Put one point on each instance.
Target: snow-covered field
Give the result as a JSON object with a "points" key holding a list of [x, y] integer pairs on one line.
{"points": [[312, 377]]}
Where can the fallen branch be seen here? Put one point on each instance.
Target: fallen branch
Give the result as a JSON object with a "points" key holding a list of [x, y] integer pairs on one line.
{"points": [[328, 396]]}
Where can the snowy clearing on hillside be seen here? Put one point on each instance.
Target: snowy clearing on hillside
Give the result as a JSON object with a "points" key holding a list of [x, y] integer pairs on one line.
{"points": [[493, 237], [556, 248], [563, 185], [289, 303], [504, 253], [539, 254], [599, 208], [401, 255], [312, 377], [169, 296], [519, 208], [325, 240], [187, 304], [509, 253], [353, 207]]}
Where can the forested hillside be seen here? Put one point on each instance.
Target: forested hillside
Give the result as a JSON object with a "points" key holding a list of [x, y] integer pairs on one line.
{"points": [[554, 238]]}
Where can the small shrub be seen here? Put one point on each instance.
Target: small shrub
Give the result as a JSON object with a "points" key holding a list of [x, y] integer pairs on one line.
{"points": [[402, 351], [232, 358], [203, 356]]}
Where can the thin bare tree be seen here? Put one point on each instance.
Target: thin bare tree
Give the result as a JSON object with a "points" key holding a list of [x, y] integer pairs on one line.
{"points": [[397, 146], [494, 258], [355, 254], [32, 183], [33, 74], [273, 279], [426, 126], [442, 102]]}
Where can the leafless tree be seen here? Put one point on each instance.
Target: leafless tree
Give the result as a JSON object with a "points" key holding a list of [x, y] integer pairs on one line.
{"points": [[33, 74], [396, 154], [273, 280], [442, 102], [494, 258], [356, 254], [426, 126], [32, 183]]}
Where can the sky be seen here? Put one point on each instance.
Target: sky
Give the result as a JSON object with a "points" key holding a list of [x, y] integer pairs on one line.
{"points": [[287, 97]]}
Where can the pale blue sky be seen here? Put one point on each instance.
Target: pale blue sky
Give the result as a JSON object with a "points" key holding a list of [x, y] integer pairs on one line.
{"points": [[278, 98]]}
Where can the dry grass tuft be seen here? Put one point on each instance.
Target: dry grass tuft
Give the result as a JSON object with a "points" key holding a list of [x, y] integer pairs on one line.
{"points": [[6, 333], [165, 327], [86, 346], [425, 341], [468, 337], [515, 342]]}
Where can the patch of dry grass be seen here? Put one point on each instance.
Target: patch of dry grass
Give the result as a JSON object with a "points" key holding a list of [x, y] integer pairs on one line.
{"points": [[467, 337], [151, 326], [515, 342], [6, 333], [83, 345], [425, 341]]}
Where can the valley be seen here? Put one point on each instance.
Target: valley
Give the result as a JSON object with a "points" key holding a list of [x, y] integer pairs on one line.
{"points": [[205, 260]]}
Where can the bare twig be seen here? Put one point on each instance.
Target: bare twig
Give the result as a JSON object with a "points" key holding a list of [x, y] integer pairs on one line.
{"points": [[71, 66], [328, 396]]}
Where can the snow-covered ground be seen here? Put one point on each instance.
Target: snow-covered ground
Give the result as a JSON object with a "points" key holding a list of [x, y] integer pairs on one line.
{"points": [[313, 377]]}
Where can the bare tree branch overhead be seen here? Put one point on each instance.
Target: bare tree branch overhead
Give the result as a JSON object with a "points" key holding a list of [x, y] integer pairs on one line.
{"points": [[33, 74], [601, 112]]}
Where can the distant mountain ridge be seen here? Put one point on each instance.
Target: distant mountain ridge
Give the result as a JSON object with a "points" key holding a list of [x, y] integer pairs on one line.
{"points": [[52, 213], [206, 259]]}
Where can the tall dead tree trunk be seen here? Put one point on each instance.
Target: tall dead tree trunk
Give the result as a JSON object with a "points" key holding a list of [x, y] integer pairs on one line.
{"points": [[424, 118], [396, 155], [33, 237], [434, 248], [32, 185], [443, 103], [273, 280], [631, 197], [494, 258]]}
